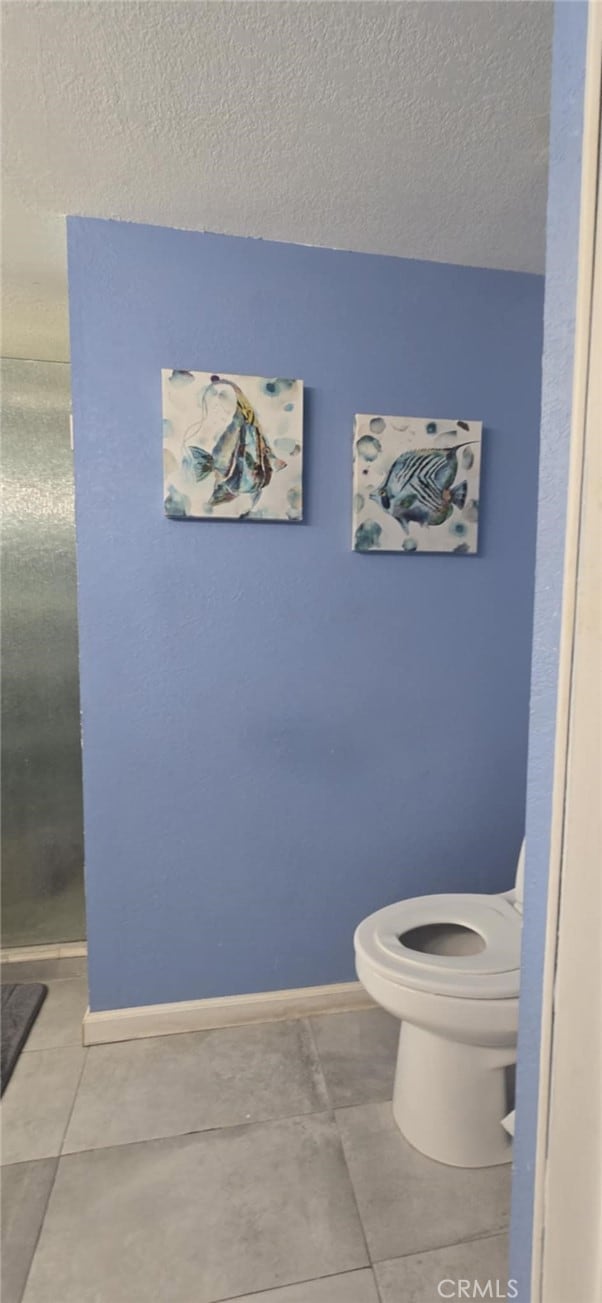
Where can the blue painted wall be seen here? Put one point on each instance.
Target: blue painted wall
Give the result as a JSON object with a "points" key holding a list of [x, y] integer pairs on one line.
{"points": [[560, 300], [280, 735]]}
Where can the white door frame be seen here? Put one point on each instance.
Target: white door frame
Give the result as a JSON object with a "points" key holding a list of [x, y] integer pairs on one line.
{"points": [[567, 1219]]}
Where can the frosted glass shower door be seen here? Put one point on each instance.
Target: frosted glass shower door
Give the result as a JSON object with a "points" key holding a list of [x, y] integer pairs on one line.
{"points": [[42, 839]]}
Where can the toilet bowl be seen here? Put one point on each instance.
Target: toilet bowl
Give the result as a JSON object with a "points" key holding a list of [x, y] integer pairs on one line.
{"points": [[448, 967]]}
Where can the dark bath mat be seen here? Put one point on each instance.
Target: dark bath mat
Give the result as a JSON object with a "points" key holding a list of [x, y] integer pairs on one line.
{"points": [[21, 1003]]}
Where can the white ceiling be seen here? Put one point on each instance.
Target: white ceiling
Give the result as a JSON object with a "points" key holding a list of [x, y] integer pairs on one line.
{"points": [[417, 129]]}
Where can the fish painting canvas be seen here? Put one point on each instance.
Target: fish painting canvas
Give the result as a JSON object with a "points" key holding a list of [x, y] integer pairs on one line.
{"points": [[416, 484], [232, 446]]}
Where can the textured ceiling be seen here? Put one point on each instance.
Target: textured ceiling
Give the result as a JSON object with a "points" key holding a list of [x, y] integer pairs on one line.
{"points": [[417, 129]]}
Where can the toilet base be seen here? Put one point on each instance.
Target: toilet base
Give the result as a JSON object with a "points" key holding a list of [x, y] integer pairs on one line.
{"points": [[449, 1098]]}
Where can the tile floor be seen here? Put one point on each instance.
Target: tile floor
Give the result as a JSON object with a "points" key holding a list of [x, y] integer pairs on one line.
{"points": [[254, 1163]]}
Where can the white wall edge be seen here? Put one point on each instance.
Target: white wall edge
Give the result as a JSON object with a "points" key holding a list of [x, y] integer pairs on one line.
{"points": [[546, 1180], [106, 1025]]}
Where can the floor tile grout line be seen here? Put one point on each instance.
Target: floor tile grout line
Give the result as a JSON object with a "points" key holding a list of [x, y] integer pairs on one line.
{"points": [[376, 1284], [206, 1131], [318, 1058], [172, 1135], [41, 1226], [57, 1159], [439, 1248], [45, 1049], [334, 1108], [203, 1131], [354, 1193], [329, 1111], [75, 1094], [309, 1280]]}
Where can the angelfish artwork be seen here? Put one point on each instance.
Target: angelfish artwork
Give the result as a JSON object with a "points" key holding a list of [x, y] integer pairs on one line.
{"points": [[415, 484], [232, 447]]}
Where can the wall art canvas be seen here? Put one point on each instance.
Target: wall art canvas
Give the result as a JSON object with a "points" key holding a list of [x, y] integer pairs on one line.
{"points": [[415, 484], [232, 446]]}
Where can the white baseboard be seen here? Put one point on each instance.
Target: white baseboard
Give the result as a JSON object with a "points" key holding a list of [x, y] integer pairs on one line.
{"points": [[57, 950], [224, 1011]]}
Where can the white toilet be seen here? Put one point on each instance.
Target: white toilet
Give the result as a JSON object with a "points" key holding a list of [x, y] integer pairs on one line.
{"points": [[449, 967]]}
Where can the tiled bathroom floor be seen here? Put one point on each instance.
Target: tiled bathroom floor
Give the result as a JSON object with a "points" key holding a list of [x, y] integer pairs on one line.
{"points": [[253, 1163]]}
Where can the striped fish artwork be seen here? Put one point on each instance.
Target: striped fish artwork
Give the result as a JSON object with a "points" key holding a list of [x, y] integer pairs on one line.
{"points": [[418, 480], [420, 487]]}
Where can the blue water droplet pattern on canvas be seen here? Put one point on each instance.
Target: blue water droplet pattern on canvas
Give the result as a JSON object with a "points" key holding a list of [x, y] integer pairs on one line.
{"points": [[177, 505], [367, 536], [368, 448]]}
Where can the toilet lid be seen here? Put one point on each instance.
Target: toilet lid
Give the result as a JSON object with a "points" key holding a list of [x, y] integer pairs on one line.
{"points": [[492, 973]]}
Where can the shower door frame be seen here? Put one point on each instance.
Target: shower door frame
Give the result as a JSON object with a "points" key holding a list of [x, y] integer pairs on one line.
{"points": [[40, 387]]}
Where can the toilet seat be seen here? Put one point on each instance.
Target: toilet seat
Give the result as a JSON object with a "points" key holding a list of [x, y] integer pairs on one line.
{"points": [[492, 974]]}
